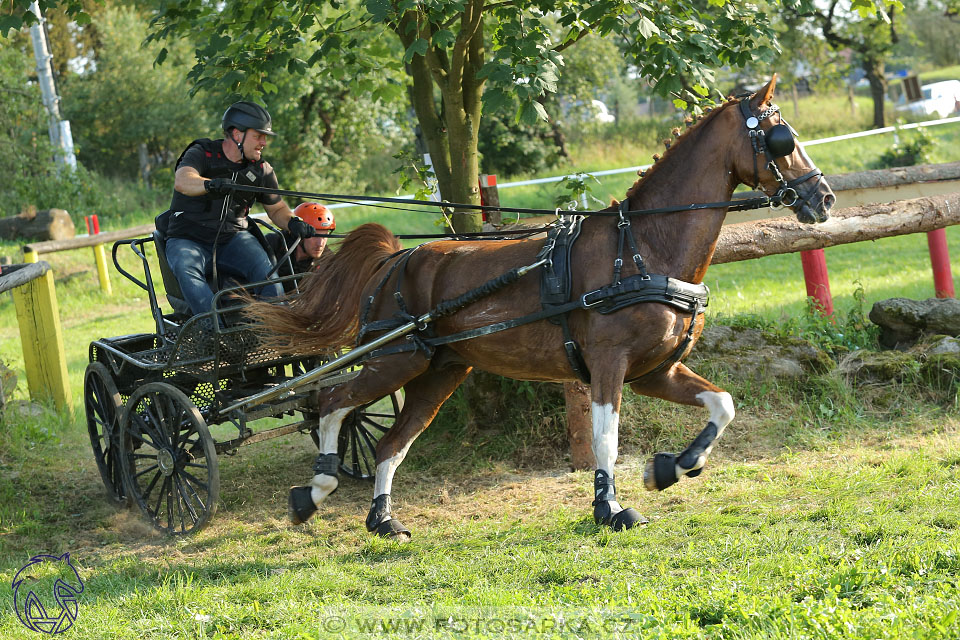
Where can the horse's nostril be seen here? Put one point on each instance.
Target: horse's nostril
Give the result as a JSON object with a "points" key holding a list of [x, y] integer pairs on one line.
{"points": [[828, 201]]}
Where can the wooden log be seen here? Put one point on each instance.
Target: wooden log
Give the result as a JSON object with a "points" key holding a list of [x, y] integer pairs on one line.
{"points": [[749, 240], [19, 274], [49, 224], [90, 241]]}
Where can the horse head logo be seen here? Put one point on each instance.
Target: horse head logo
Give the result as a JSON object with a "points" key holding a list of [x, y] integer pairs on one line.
{"points": [[41, 583]]}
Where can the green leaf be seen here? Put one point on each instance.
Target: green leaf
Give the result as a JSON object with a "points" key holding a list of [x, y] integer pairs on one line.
{"points": [[419, 47], [443, 38], [379, 9], [161, 56], [495, 99], [680, 104], [646, 27]]}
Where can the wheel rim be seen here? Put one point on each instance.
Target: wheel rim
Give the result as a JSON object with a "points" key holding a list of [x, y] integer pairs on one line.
{"points": [[103, 408], [361, 431], [171, 467]]}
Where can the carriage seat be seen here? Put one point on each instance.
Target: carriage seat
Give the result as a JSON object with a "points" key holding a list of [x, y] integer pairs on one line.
{"points": [[181, 310]]}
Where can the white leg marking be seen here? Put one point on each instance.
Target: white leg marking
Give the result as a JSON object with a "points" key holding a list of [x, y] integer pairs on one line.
{"points": [[385, 470], [720, 406], [722, 413], [328, 429], [606, 422]]}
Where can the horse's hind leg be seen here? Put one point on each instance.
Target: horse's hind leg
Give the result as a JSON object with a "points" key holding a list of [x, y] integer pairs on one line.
{"points": [[680, 384], [423, 397], [606, 393], [335, 403]]}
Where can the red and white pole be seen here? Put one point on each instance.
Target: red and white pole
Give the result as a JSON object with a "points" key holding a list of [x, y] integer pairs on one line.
{"points": [[940, 262], [815, 276]]}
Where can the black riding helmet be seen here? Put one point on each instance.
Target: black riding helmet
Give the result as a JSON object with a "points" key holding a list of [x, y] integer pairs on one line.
{"points": [[245, 115]]}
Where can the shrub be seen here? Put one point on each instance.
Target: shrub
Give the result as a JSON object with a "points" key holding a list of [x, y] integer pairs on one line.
{"points": [[917, 150]]}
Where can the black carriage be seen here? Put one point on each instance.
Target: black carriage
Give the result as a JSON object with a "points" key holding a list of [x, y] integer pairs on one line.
{"points": [[152, 398]]}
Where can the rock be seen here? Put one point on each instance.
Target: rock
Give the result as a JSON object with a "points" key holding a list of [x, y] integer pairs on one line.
{"points": [[944, 346], [903, 321], [751, 353], [877, 366]]}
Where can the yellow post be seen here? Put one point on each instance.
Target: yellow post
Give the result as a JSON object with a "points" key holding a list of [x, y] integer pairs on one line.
{"points": [[102, 270], [30, 256], [42, 339]]}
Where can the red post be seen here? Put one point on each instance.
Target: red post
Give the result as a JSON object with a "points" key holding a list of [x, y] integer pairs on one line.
{"points": [[816, 278], [940, 262], [89, 229], [489, 196], [96, 224]]}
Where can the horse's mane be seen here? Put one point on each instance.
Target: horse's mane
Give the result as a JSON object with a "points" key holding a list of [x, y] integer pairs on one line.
{"points": [[693, 130]]}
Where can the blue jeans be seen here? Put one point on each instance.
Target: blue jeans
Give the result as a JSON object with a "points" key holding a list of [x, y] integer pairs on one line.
{"points": [[242, 258]]}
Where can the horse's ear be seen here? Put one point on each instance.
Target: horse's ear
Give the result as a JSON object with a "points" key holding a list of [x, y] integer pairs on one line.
{"points": [[765, 95]]}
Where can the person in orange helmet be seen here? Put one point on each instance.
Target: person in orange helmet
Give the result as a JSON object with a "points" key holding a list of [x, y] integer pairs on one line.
{"points": [[322, 220]]}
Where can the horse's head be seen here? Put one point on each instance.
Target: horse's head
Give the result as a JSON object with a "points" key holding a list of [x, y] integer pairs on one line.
{"points": [[770, 158]]}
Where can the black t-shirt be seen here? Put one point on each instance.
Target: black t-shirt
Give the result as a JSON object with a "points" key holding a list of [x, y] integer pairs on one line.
{"points": [[199, 217]]}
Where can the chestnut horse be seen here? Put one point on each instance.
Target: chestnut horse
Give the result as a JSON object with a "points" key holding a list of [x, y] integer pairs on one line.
{"points": [[704, 165]]}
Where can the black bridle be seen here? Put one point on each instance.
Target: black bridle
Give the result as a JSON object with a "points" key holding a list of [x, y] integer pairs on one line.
{"points": [[779, 142]]}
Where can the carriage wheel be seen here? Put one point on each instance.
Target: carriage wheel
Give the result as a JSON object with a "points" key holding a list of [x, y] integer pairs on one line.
{"points": [[103, 406], [171, 462], [361, 430]]}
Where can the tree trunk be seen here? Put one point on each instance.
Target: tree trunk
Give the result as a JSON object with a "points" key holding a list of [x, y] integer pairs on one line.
{"points": [[579, 425], [50, 224], [878, 89]]}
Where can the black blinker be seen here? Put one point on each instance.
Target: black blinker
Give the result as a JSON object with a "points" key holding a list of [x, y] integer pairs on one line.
{"points": [[780, 141]]}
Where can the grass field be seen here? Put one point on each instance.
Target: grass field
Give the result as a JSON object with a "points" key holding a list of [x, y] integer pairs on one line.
{"points": [[827, 510]]}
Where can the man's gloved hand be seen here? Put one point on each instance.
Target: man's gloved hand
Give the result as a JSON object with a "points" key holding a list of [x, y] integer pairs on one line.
{"points": [[301, 229], [221, 186]]}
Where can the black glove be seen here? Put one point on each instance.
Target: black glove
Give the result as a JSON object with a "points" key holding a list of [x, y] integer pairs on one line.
{"points": [[301, 229], [221, 186]]}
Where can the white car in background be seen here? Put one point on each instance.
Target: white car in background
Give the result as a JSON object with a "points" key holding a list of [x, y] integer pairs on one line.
{"points": [[939, 98]]}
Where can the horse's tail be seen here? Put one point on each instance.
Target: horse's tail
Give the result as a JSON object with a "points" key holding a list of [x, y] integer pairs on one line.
{"points": [[325, 315]]}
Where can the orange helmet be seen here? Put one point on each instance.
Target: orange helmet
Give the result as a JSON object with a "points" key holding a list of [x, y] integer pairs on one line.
{"points": [[316, 215]]}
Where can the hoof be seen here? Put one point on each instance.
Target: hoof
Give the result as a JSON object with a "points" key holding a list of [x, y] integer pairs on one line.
{"points": [[626, 519], [660, 472], [300, 505], [393, 530], [611, 514]]}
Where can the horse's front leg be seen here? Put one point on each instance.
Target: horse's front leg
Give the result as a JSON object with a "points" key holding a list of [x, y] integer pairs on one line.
{"points": [[423, 397], [680, 384], [606, 393], [303, 501]]}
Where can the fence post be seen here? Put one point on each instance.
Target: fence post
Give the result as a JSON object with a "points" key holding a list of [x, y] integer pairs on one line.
{"points": [[99, 255], [940, 262], [489, 196], [38, 316], [815, 276]]}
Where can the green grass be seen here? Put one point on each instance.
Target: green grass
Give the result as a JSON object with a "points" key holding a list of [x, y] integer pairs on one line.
{"points": [[857, 539]]}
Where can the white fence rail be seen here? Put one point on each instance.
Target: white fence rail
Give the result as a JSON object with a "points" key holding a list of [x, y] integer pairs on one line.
{"points": [[610, 172]]}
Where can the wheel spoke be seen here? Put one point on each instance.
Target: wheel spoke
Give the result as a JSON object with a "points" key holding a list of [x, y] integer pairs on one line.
{"points": [[195, 495], [146, 470], [153, 483], [376, 425], [197, 481], [186, 500], [160, 494], [371, 448]]}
